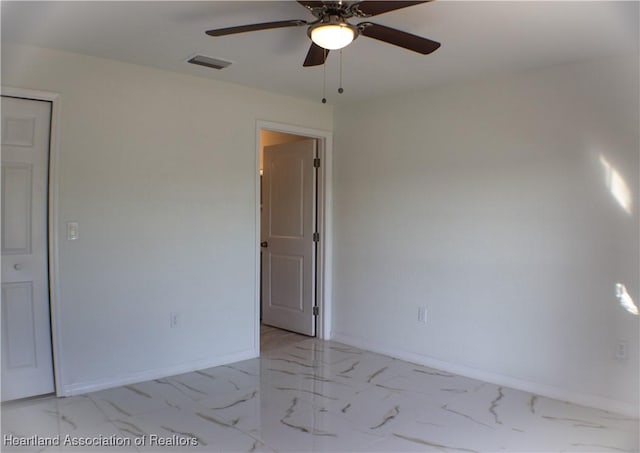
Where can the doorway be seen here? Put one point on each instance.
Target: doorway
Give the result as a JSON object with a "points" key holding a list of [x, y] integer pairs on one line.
{"points": [[288, 232], [292, 191], [27, 352]]}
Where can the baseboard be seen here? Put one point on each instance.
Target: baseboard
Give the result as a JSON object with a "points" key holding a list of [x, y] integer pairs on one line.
{"points": [[549, 391], [148, 375]]}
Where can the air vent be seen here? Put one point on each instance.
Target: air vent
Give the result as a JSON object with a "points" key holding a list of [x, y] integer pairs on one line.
{"points": [[209, 62]]}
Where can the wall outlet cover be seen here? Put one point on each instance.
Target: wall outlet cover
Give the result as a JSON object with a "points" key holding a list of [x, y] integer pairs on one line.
{"points": [[622, 350]]}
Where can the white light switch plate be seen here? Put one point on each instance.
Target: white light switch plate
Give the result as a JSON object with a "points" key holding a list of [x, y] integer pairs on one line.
{"points": [[72, 231]]}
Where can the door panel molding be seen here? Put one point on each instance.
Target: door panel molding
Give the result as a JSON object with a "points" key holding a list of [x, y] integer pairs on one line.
{"points": [[17, 320], [278, 227], [295, 265], [52, 222], [324, 201], [16, 236]]}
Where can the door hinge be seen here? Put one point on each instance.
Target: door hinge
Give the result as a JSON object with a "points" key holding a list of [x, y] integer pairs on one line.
{"points": [[316, 237], [316, 162], [316, 311]]}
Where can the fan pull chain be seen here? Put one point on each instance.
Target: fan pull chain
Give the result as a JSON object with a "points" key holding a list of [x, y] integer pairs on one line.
{"points": [[324, 78], [340, 89]]}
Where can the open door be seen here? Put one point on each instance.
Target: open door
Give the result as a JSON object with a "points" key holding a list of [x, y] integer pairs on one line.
{"points": [[288, 227]]}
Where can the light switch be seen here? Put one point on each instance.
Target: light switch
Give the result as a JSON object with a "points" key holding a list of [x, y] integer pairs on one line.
{"points": [[72, 231]]}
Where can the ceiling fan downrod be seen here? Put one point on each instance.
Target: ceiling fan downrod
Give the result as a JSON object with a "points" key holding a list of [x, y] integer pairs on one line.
{"points": [[340, 89], [324, 78]]}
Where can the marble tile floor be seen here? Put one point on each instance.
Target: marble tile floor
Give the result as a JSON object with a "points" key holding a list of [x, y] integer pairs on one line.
{"points": [[273, 338], [305, 395]]}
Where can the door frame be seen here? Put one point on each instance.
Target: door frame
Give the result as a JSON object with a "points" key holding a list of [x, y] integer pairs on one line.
{"points": [[323, 211], [52, 220]]}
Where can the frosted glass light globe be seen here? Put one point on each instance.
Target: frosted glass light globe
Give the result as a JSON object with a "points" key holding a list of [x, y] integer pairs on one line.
{"points": [[332, 36]]}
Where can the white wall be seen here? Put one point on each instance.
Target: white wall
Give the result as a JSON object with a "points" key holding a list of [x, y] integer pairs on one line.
{"points": [[159, 170], [487, 203]]}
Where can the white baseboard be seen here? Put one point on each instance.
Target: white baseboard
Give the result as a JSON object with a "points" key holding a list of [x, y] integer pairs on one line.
{"points": [[148, 375], [549, 391]]}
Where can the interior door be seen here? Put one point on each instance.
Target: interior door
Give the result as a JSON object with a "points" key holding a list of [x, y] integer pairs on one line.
{"points": [[288, 226], [27, 365]]}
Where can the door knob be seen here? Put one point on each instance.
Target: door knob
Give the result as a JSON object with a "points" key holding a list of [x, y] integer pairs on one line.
{"points": [[264, 244], [17, 267]]}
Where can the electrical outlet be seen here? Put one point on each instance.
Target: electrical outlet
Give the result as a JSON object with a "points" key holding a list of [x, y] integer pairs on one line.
{"points": [[173, 320], [622, 350], [422, 315]]}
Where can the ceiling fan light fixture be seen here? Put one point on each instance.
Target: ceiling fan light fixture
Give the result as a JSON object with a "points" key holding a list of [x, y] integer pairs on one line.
{"points": [[332, 36]]}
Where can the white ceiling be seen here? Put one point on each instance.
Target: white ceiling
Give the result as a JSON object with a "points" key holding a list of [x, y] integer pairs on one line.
{"points": [[479, 38]]}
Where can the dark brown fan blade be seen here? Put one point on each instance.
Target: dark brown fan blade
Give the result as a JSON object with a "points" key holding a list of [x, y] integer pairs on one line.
{"points": [[256, 27], [316, 55], [398, 38], [373, 8]]}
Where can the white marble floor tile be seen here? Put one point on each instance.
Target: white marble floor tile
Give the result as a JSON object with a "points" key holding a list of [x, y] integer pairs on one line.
{"points": [[240, 409], [74, 423], [140, 398], [369, 367], [318, 391], [203, 384], [37, 416], [305, 395], [302, 427], [191, 427], [528, 421], [272, 338], [242, 443], [440, 387]]}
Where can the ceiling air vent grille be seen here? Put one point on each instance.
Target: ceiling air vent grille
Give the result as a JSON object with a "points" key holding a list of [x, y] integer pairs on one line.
{"points": [[209, 62]]}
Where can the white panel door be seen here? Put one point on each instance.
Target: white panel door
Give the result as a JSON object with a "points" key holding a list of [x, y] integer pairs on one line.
{"points": [[27, 365], [288, 224]]}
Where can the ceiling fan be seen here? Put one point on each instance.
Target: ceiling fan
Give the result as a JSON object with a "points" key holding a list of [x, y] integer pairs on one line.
{"points": [[331, 29]]}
